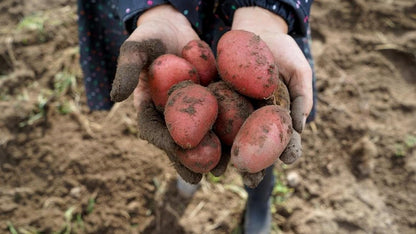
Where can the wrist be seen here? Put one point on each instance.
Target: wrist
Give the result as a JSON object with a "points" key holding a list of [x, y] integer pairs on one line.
{"points": [[258, 20], [164, 12]]}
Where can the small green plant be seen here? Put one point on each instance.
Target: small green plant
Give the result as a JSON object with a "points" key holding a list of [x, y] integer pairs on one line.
{"points": [[34, 22], [410, 141], [402, 148], [214, 179], [399, 150], [64, 82], [12, 230], [281, 192], [38, 113], [80, 222], [90, 206], [64, 85], [67, 229]]}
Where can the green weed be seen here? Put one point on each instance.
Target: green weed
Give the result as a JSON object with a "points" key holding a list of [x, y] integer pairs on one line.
{"points": [[90, 206], [65, 82], [281, 192], [34, 22], [67, 229], [38, 113], [214, 179], [12, 230], [80, 222], [403, 148], [63, 97]]}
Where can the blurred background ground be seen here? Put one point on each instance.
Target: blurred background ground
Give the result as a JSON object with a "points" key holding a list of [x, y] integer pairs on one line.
{"points": [[67, 170]]}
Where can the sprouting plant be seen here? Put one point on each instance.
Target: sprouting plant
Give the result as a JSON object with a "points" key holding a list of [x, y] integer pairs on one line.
{"points": [[90, 206], [281, 192], [402, 148], [33, 22], [12, 230], [214, 179], [38, 113]]}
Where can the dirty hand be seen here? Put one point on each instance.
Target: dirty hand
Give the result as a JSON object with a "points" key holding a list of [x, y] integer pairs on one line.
{"points": [[293, 67], [160, 30], [290, 61]]}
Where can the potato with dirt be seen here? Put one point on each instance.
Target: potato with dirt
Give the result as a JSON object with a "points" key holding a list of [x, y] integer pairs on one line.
{"points": [[246, 63], [262, 139], [204, 157], [199, 54], [233, 110], [190, 112], [166, 71]]}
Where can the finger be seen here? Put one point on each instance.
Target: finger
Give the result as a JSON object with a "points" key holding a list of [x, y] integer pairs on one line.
{"points": [[223, 163], [251, 180], [299, 112], [142, 92], [297, 74], [152, 128], [187, 175], [155, 35], [293, 149], [134, 55]]}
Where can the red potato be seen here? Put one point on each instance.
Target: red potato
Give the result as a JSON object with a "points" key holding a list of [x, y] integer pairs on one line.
{"points": [[246, 63], [166, 71], [204, 157], [199, 54], [262, 139], [190, 112], [233, 110]]}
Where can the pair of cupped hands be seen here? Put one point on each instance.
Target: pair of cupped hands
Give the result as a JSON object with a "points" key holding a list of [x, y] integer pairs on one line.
{"points": [[164, 30]]}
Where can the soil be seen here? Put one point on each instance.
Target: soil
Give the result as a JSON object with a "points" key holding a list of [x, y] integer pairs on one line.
{"points": [[87, 172]]}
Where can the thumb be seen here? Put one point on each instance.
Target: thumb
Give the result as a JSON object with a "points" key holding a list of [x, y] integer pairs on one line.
{"points": [[134, 55], [160, 30]]}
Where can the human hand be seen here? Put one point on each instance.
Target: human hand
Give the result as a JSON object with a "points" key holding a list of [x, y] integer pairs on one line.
{"points": [[293, 68], [292, 64], [160, 30]]}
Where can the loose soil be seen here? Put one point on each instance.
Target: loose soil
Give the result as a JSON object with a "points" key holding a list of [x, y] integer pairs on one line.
{"points": [[87, 172]]}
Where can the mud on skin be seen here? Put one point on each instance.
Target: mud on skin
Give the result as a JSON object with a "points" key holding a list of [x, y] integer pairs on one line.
{"points": [[223, 163], [293, 149], [134, 56], [152, 128], [251, 180]]}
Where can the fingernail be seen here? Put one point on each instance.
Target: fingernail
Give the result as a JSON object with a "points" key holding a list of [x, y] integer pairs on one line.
{"points": [[303, 122]]}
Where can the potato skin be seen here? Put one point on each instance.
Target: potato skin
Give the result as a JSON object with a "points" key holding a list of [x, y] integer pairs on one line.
{"points": [[204, 157], [246, 63], [199, 54], [166, 71], [261, 139], [190, 112], [233, 110]]}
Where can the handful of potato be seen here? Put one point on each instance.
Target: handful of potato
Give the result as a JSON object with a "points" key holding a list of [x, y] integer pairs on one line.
{"points": [[206, 115]]}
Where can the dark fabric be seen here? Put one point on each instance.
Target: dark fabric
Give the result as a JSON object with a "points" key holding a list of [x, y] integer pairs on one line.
{"points": [[294, 12], [257, 217], [100, 34]]}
